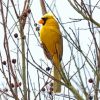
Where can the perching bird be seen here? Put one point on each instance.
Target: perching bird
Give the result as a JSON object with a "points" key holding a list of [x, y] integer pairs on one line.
{"points": [[52, 43]]}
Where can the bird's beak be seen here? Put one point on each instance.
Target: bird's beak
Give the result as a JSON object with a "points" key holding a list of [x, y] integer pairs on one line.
{"points": [[41, 21]]}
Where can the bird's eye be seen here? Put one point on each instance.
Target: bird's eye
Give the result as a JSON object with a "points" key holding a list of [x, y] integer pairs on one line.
{"points": [[44, 19]]}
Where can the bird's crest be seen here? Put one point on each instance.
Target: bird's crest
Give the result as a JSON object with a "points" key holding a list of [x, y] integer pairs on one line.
{"points": [[48, 15]]}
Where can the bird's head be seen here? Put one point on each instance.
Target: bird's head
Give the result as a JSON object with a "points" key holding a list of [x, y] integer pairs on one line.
{"points": [[48, 19]]}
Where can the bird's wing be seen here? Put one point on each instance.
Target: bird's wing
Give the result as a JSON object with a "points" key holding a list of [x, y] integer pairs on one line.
{"points": [[59, 48], [46, 52]]}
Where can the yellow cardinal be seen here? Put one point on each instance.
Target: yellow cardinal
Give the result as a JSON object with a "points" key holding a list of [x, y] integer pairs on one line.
{"points": [[52, 44]]}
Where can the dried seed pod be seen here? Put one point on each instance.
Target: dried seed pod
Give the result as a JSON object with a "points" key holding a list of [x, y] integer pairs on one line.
{"points": [[37, 28], [13, 61], [43, 89], [12, 85], [29, 10], [4, 62], [48, 68], [90, 80], [20, 83], [35, 24], [15, 35]]}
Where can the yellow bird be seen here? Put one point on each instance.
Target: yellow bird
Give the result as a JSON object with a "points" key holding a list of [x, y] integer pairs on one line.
{"points": [[52, 43]]}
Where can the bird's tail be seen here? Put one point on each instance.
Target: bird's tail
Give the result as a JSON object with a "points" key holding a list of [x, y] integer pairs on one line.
{"points": [[57, 76]]}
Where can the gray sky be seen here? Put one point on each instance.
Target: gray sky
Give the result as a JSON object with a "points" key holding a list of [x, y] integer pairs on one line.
{"points": [[65, 12]]}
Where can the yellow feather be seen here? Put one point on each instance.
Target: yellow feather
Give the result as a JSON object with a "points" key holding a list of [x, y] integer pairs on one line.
{"points": [[51, 39]]}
